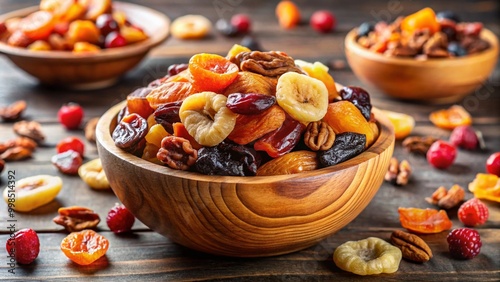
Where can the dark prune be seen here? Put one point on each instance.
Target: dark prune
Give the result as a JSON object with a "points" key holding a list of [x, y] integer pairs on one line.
{"points": [[129, 134], [346, 146], [226, 28], [176, 69], [282, 140], [365, 28], [123, 112], [249, 103], [359, 97], [228, 160], [456, 49], [251, 43], [168, 114], [450, 15]]}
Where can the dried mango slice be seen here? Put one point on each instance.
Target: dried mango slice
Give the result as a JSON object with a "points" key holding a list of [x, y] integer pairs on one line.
{"points": [[424, 220], [450, 118], [403, 123], [32, 192], [368, 256], [212, 72], [486, 186], [84, 247]]}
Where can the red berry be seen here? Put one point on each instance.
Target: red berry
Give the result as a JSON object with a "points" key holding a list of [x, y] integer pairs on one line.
{"points": [[441, 154], [114, 40], [242, 23], [106, 24], [24, 246], [464, 137], [71, 143], [120, 219], [67, 162], [464, 243], [323, 21], [473, 213], [70, 115], [493, 164]]}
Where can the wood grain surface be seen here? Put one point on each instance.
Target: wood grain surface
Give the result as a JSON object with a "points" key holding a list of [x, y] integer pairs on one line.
{"points": [[145, 255]]}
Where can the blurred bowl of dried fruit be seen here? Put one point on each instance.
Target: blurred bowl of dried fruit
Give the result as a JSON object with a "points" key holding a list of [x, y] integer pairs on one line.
{"points": [[423, 57], [75, 46], [245, 216]]}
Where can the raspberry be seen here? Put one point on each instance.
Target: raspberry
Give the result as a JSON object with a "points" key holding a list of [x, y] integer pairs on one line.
{"points": [[25, 246], [464, 243], [473, 213], [120, 219]]}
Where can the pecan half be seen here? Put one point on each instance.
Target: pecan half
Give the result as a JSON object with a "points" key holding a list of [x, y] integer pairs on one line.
{"points": [[18, 142], [417, 144], [412, 246], [447, 199], [16, 154], [177, 153], [319, 136], [90, 127], [29, 129], [272, 63], [13, 111], [77, 218], [398, 172]]}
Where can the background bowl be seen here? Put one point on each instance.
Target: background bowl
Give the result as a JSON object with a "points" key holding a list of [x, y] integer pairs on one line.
{"points": [[433, 80], [244, 216], [89, 71]]}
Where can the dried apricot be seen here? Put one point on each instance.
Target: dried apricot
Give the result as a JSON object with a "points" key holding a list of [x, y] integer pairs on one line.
{"points": [[171, 91], [293, 162], [424, 220], [450, 118], [288, 14], [84, 247], [37, 25], [486, 186], [83, 31], [423, 19], [403, 123], [181, 131], [212, 72]]}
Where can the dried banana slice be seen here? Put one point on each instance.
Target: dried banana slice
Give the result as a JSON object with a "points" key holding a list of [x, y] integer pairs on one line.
{"points": [[207, 118], [31, 192], [368, 256], [303, 97], [191, 27], [93, 174]]}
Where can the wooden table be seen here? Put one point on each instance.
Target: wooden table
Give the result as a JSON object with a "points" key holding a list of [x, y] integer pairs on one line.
{"points": [[147, 256]]}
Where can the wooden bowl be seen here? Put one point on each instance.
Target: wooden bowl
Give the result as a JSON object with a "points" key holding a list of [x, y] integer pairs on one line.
{"points": [[433, 80], [89, 71], [244, 216]]}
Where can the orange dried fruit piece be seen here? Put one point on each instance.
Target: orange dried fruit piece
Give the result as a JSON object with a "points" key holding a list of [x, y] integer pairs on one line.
{"points": [[63, 10], [37, 25], [424, 220], [403, 123], [155, 134], [344, 116], [170, 91], [95, 8], [212, 72], [83, 31], [319, 71], [133, 34], [450, 118], [423, 19], [486, 186], [84, 247], [181, 131], [288, 14], [85, 47]]}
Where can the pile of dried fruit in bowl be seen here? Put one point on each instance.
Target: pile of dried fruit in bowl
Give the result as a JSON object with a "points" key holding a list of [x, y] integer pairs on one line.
{"points": [[69, 25], [424, 34], [249, 113]]}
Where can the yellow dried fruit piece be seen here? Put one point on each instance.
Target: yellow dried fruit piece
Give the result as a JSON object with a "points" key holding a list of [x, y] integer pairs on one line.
{"points": [[235, 50], [486, 186], [155, 134], [93, 174], [191, 27], [403, 123], [368, 256], [32, 192], [206, 117], [303, 97], [320, 71]]}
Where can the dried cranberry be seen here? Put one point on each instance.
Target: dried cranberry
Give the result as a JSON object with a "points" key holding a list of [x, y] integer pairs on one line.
{"points": [[24, 246], [70, 115], [465, 137], [359, 97], [241, 22], [323, 21], [441, 154], [493, 164], [115, 40], [249, 103]]}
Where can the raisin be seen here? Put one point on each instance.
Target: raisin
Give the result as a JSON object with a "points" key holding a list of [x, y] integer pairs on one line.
{"points": [[168, 114], [249, 103], [346, 146], [176, 69], [129, 134], [282, 140], [359, 97], [122, 113], [227, 159]]}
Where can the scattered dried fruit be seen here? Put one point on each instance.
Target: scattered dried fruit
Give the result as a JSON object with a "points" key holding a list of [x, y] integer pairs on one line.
{"points": [[473, 213], [120, 219], [191, 27], [24, 245], [403, 123], [450, 118], [32, 192], [70, 115], [323, 21], [13, 111], [464, 243], [67, 162], [493, 164], [465, 137], [29, 129], [368, 256], [441, 154], [84, 247], [486, 186], [424, 220], [288, 14], [93, 174], [77, 218], [71, 143], [413, 247]]}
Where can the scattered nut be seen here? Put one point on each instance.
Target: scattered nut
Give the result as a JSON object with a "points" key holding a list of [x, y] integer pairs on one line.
{"points": [[77, 218], [16, 154], [447, 199], [412, 246], [24, 142], [29, 129], [418, 144], [90, 128], [13, 111], [398, 172]]}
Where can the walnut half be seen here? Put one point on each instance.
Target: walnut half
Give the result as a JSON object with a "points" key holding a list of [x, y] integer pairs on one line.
{"points": [[272, 63]]}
